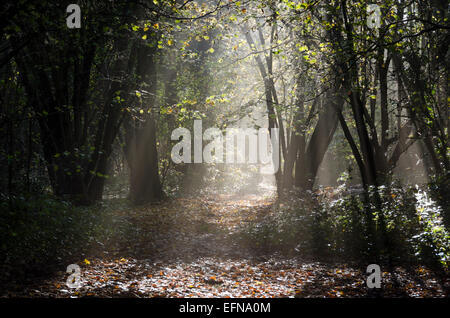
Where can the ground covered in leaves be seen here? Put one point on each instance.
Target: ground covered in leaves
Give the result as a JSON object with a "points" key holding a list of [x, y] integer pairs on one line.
{"points": [[194, 247]]}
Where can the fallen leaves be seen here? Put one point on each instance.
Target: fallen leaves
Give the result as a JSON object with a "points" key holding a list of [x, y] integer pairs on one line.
{"points": [[174, 252], [213, 277]]}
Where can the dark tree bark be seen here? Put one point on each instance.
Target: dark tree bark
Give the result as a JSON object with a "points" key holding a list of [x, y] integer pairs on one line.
{"points": [[315, 150], [76, 136], [141, 151]]}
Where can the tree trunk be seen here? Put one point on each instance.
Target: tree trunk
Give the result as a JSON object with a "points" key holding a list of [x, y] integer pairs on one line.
{"points": [[312, 156], [145, 184], [141, 151]]}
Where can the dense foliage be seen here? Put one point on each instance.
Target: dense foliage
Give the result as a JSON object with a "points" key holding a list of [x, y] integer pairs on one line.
{"points": [[358, 90]]}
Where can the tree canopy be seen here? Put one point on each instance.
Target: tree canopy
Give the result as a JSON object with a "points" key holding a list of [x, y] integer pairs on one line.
{"points": [[351, 96]]}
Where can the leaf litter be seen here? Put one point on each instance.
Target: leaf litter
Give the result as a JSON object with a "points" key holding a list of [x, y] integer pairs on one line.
{"points": [[188, 248]]}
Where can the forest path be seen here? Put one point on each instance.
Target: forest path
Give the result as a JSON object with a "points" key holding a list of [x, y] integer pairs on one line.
{"points": [[191, 247]]}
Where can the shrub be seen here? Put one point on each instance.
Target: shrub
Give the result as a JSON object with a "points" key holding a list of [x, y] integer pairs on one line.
{"points": [[339, 228], [41, 232]]}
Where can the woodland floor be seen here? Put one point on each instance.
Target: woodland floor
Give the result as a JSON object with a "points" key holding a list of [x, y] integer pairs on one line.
{"points": [[186, 248]]}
